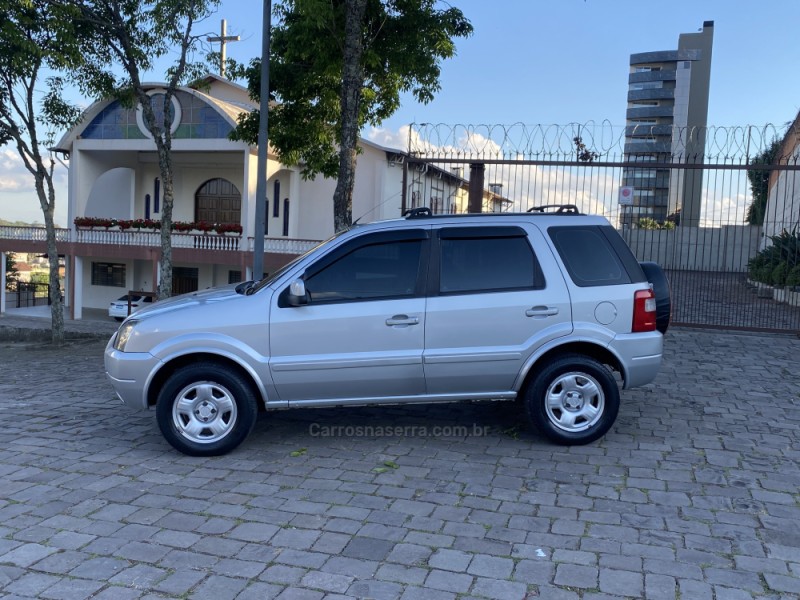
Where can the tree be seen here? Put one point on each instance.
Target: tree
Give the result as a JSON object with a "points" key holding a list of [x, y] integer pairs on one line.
{"points": [[12, 274], [759, 182], [582, 153], [134, 35], [37, 40], [337, 65]]}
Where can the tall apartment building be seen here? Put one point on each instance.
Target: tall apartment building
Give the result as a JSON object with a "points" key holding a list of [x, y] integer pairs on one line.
{"points": [[665, 123]]}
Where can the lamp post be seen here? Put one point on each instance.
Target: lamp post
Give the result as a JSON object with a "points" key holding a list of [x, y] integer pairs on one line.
{"points": [[261, 180]]}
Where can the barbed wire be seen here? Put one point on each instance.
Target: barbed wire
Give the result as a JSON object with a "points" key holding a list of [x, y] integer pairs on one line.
{"points": [[604, 141]]}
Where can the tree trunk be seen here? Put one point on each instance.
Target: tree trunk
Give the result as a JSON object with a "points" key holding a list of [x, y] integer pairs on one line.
{"points": [[47, 200], [352, 83], [165, 263]]}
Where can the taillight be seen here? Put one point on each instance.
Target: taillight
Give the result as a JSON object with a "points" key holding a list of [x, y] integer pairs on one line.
{"points": [[644, 311]]}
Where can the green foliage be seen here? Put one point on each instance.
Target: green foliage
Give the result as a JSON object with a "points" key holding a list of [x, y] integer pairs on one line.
{"points": [[648, 223], [582, 152], [784, 250], [39, 277], [759, 183], [404, 43], [779, 274], [793, 278], [12, 274]]}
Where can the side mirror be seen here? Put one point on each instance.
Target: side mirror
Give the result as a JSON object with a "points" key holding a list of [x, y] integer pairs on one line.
{"points": [[298, 296]]}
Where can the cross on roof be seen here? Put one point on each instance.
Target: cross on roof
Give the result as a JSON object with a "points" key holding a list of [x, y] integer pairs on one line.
{"points": [[222, 39]]}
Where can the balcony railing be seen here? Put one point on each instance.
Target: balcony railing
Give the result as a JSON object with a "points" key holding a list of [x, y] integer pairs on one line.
{"points": [[131, 237], [31, 234]]}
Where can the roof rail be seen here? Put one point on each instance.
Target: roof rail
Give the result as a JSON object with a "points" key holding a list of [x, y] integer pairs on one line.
{"points": [[569, 209], [416, 213]]}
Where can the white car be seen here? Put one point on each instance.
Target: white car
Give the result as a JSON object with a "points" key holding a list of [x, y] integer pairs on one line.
{"points": [[119, 308]]}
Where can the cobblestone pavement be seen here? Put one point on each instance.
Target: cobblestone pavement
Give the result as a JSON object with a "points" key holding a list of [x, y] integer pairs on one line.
{"points": [[693, 495]]}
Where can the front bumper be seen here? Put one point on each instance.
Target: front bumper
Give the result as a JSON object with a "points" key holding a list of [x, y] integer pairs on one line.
{"points": [[129, 374], [640, 355]]}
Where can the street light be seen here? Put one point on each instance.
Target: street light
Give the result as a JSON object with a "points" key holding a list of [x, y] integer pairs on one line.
{"points": [[261, 165]]}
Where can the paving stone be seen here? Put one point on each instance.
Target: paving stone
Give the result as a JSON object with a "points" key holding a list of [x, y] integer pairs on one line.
{"points": [[329, 582], [401, 574], [576, 576], [139, 576], [448, 581], [27, 554], [621, 583], [72, 589], [450, 560], [498, 589], [180, 582], [100, 569], [368, 548], [216, 587], [491, 566], [31, 585]]}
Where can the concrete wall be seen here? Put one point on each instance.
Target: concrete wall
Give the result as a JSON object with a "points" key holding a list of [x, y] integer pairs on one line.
{"points": [[783, 202], [727, 248]]}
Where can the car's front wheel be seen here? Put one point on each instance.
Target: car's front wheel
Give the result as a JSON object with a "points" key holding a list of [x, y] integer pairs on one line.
{"points": [[573, 399], [205, 409]]}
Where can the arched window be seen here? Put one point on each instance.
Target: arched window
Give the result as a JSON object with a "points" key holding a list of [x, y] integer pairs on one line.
{"points": [[218, 201]]}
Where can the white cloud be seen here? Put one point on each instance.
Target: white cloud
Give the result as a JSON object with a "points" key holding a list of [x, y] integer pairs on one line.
{"points": [[18, 199], [15, 178]]}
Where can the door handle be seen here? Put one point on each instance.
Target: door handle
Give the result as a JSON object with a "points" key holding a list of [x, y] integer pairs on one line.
{"points": [[401, 321], [541, 311]]}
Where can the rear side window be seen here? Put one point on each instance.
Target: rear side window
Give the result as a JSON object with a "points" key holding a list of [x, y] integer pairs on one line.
{"points": [[590, 256], [471, 263]]}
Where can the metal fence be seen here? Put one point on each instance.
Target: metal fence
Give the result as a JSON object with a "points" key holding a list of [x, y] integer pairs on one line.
{"points": [[26, 294], [718, 208]]}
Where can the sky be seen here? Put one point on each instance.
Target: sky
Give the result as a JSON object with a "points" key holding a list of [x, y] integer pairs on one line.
{"points": [[549, 62]]}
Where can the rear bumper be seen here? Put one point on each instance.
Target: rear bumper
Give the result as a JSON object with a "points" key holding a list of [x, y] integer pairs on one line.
{"points": [[640, 355]]}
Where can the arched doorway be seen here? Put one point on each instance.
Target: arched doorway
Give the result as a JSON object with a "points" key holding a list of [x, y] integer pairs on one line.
{"points": [[218, 201]]}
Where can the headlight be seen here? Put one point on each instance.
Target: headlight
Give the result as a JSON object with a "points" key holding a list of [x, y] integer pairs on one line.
{"points": [[123, 335]]}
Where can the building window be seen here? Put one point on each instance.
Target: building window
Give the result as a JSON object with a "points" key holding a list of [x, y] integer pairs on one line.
{"points": [[108, 274], [648, 85], [276, 207], [234, 276], [285, 217]]}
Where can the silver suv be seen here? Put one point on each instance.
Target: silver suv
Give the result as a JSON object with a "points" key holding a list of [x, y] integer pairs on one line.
{"points": [[541, 307]]}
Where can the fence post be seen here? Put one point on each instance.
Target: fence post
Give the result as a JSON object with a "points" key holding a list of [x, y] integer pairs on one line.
{"points": [[477, 172], [2, 283]]}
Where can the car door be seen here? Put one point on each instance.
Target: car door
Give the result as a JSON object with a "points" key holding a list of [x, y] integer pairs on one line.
{"points": [[360, 336], [495, 295]]}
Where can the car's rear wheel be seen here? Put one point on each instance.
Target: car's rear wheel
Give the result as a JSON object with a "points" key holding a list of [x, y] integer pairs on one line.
{"points": [[205, 409], [573, 399]]}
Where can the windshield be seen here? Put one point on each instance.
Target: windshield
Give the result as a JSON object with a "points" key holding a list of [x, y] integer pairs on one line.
{"points": [[252, 289]]}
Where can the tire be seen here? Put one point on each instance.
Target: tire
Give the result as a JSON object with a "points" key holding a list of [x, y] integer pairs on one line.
{"points": [[584, 400], [119, 318], [656, 276], [206, 409]]}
